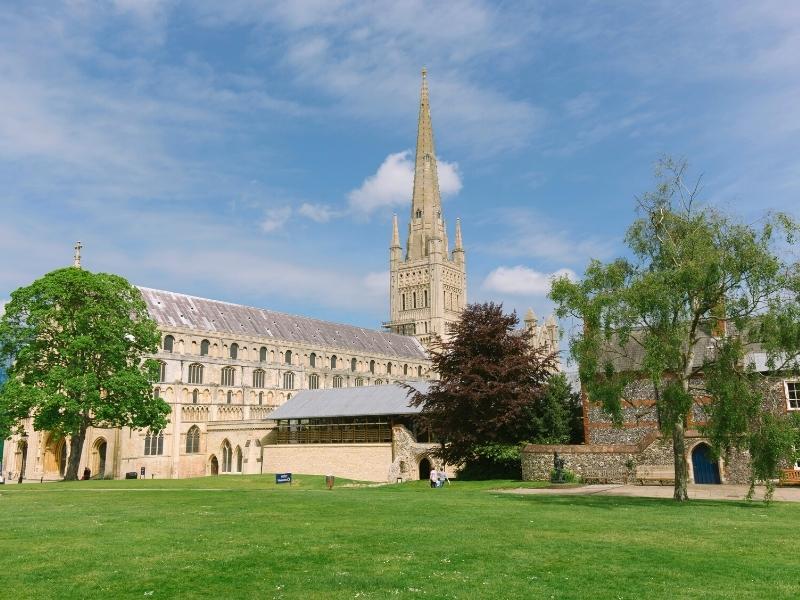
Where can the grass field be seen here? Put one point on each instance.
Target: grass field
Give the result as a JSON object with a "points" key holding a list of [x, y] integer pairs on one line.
{"points": [[243, 537]]}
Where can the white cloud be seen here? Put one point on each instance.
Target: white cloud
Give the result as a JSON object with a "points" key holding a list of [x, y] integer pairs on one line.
{"points": [[377, 284], [275, 218], [393, 182], [321, 213], [522, 281]]}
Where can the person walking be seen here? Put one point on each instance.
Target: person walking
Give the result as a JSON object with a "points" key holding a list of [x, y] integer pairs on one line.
{"points": [[434, 478]]}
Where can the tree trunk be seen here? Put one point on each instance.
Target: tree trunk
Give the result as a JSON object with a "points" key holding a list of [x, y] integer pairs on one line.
{"points": [[681, 468], [75, 451]]}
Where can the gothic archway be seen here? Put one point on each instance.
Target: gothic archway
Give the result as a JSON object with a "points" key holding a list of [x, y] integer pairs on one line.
{"points": [[213, 465], [99, 458]]}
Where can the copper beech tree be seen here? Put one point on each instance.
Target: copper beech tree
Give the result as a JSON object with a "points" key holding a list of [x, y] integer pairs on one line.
{"points": [[491, 387], [699, 294], [76, 344]]}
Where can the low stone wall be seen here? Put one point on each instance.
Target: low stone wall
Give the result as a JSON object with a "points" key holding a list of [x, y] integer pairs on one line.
{"points": [[616, 463]]}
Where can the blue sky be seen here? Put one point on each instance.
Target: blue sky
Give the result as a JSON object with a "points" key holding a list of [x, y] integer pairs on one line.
{"points": [[255, 151]]}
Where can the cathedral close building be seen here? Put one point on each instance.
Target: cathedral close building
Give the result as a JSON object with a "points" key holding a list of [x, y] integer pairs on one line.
{"points": [[226, 368]]}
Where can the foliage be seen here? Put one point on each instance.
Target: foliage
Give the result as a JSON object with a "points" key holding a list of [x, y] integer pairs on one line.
{"points": [[698, 293], [567, 476], [76, 343], [403, 541], [557, 415], [492, 461], [490, 380]]}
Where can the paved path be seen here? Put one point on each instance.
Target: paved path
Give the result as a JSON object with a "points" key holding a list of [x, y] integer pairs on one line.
{"points": [[696, 492]]}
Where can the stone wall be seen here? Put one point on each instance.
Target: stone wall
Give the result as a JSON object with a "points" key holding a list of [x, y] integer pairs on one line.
{"points": [[365, 462], [616, 463]]}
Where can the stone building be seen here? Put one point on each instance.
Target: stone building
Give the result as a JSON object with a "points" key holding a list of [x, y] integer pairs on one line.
{"points": [[635, 451], [428, 284], [225, 367]]}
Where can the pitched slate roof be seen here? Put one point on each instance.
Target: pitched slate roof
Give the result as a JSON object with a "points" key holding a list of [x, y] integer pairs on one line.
{"points": [[375, 400], [170, 309]]}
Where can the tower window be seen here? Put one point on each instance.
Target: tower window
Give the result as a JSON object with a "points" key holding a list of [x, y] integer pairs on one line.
{"points": [[227, 376], [195, 394], [204, 347], [419, 214], [404, 301], [415, 299], [426, 297], [234, 351], [334, 361], [169, 342], [195, 373], [312, 359], [353, 365]]}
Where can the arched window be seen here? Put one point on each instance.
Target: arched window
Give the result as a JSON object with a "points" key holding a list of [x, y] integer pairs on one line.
{"points": [[405, 369], [287, 357], [353, 365], [313, 381], [359, 381], [334, 361], [312, 360], [379, 382], [228, 376], [234, 350], [419, 214], [337, 381], [193, 440], [372, 367], [389, 368], [419, 371], [414, 296], [154, 443], [229, 397], [426, 298], [404, 301], [204, 346], [238, 459], [258, 378], [195, 373], [195, 395], [157, 393], [162, 370], [169, 342], [261, 397], [262, 354], [227, 457], [288, 380]]}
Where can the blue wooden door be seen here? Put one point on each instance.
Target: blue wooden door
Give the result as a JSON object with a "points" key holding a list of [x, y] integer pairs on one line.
{"points": [[706, 469]]}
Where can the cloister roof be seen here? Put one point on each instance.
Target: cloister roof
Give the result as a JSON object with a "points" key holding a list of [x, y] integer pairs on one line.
{"points": [[372, 400], [171, 309]]}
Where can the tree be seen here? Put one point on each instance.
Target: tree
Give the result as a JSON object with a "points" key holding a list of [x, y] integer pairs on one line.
{"points": [[75, 342], [490, 380], [699, 293]]}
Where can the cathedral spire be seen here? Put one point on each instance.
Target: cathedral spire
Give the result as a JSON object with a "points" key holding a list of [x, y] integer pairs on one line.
{"points": [[426, 204]]}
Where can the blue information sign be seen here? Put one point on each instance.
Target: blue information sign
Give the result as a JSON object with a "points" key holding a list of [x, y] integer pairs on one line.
{"points": [[283, 478]]}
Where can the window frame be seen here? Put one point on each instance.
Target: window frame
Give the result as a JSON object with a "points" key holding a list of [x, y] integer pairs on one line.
{"points": [[196, 369], [793, 391]]}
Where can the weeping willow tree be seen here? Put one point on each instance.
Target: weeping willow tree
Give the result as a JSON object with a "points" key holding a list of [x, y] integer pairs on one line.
{"points": [[699, 296]]}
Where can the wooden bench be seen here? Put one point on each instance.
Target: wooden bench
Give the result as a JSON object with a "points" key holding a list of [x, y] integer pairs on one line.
{"points": [[790, 477], [661, 474]]}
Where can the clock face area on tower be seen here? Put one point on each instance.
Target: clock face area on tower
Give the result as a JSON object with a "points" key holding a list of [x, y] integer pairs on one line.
{"points": [[428, 282]]}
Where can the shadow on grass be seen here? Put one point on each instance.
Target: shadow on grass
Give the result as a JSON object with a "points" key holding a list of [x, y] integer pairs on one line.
{"points": [[614, 502]]}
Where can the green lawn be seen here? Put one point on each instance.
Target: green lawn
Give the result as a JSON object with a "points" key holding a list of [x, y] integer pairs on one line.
{"points": [[243, 537]]}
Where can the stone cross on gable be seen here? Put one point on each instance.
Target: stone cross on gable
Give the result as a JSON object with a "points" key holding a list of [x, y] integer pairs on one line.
{"points": [[76, 261]]}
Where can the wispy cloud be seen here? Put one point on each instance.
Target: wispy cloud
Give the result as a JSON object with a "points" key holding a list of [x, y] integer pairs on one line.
{"points": [[275, 219], [522, 281]]}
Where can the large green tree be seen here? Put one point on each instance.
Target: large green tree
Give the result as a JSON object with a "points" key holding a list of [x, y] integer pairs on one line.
{"points": [[698, 295], [76, 344], [492, 386]]}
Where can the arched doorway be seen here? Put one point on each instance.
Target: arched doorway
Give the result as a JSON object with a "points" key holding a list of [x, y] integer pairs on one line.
{"points": [[424, 469], [22, 459], [213, 465], [99, 458], [706, 469], [55, 456]]}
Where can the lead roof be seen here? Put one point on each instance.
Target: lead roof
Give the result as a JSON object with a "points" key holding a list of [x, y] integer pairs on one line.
{"points": [[171, 309]]}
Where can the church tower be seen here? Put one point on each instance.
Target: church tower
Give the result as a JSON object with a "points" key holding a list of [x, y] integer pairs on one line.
{"points": [[428, 284]]}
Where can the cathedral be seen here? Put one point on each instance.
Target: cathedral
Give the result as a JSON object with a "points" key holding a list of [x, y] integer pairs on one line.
{"points": [[259, 391]]}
